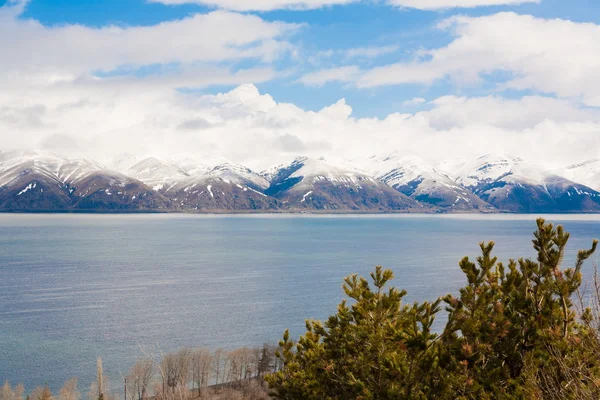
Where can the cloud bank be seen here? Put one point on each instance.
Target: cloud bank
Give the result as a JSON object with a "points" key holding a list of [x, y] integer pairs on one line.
{"points": [[246, 126], [260, 5], [448, 4], [270, 5], [36, 55], [550, 56], [555, 56], [102, 91]]}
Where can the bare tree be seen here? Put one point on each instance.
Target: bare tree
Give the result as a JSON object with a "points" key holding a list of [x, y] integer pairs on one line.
{"points": [[139, 378], [41, 393], [225, 367], [217, 364], [201, 368], [175, 373], [7, 393], [69, 391], [235, 365], [19, 392], [36, 393], [242, 364], [94, 392]]}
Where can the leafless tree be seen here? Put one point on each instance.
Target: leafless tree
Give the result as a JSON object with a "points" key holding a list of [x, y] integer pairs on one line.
{"points": [[243, 364], [94, 392], [138, 379], [8, 393], [175, 374], [217, 364], [234, 360], [41, 393], [201, 368], [69, 391], [19, 392]]}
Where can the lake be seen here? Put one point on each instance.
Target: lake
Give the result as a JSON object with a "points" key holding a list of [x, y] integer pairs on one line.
{"points": [[75, 287]]}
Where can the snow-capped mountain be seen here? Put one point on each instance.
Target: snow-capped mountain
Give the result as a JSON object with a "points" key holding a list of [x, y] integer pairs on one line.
{"points": [[157, 173], [587, 173], [45, 181], [36, 180], [63, 170], [236, 174], [419, 180], [225, 187], [325, 185], [511, 184]]}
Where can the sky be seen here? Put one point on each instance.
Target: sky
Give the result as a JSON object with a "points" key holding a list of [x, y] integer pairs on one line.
{"points": [[256, 80]]}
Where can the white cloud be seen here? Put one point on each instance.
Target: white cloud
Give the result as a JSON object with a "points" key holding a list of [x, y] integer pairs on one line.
{"points": [[35, 54], [269, 5], [360, 53], [451, 112], [52, 94], [549, 56], [446, 4], [246, 126], [371, 51], [341, 74], [260, 5], [50, 97], [414, 101]]}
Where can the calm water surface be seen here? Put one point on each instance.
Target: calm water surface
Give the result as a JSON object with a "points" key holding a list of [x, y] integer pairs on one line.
{"points": [[75, 287]]}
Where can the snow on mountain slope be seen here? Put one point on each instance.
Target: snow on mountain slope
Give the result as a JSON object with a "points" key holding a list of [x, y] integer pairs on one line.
{"points": [[238, 175], [39, 180], [157, 173], [479, 173], [587, 173], [225, 187], [415, 178], [306, 171], [325, 185], [64, 170], [27, 184], [109, 190], [35, 180], [511, 184]]}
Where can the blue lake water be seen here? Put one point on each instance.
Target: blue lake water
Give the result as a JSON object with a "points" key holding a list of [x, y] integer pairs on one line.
{"points": [[75, 287]]}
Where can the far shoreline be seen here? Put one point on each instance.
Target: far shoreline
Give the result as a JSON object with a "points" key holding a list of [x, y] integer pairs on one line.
{"points": [[309, 214]]}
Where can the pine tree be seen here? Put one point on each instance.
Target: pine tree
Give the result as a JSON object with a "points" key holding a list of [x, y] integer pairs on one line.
{"points": [[265, 361], [511, 333], [377, 348], [504, 317]]}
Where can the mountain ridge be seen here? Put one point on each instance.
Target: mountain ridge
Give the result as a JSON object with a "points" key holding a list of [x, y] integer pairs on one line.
{"points": [[41, 181]]}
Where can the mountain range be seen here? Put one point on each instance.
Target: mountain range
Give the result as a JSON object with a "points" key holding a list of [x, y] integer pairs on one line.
{"points": [[48, 182]]}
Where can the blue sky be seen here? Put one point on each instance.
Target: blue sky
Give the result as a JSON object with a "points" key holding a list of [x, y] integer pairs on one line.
{"points": [[338, 27], [438, 66]]}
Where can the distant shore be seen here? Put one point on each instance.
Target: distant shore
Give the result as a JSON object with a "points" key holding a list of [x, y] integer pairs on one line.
{"points": [[290, 212]]}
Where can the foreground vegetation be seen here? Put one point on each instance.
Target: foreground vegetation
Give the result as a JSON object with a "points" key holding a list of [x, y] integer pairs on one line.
{"points": [[513, 332], [183, 375], [524, 330]]}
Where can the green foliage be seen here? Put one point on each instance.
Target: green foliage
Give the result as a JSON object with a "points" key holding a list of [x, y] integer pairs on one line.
{"points": [[505, 326], [377, 348]]}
